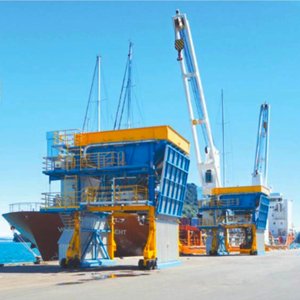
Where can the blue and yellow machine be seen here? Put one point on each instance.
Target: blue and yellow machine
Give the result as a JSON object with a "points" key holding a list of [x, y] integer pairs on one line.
{"points": [[106, 174], [230, 208]]}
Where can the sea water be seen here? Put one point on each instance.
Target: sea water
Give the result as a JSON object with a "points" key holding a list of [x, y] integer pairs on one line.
{"points": [[12, 252]]}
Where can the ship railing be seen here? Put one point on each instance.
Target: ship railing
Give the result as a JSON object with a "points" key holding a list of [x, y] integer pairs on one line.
{"points": [[25, 206], [218, 203], [97, 160]]}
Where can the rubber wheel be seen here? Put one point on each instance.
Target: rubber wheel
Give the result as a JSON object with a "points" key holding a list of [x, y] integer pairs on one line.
{"points": [[141, 264], [63, 263], [213, 253], [154, 266], [253, 252], [73, 263], [149, 264], [76, 262], [37, 260]]}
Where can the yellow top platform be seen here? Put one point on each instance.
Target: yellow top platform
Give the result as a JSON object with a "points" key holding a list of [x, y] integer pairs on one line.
{"points": [[135, 134], [241, 190]]}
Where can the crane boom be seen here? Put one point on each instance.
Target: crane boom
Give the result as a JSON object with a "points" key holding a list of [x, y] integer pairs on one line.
{"points": [[260, 172], [209, 167]]}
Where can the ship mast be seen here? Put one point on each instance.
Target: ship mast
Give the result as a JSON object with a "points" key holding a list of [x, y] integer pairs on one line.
{"points": [[99, 94], [223, 138], [96, 73], [125, 94]]}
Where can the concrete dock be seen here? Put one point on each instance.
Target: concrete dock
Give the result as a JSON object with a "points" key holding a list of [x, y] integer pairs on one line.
{"points": [[275, 275]]}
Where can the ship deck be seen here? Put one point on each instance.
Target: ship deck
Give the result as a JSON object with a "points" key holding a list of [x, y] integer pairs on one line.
{"points": [[275, 275]]}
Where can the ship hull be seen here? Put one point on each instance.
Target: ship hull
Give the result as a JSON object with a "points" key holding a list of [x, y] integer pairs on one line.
{"points": [[44, 230]]}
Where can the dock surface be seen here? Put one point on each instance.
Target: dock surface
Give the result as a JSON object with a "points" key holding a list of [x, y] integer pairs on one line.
{"points": [[275, 275]]}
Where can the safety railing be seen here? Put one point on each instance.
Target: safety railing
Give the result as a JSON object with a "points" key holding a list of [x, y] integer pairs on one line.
{"points": [[60, 142], [53, 200], [25, 206], [64, 137], [100, 160], [211, 221], [59, 163], [118, 195], [218, 203], [238, 219], [225, 220], [96, 160]]}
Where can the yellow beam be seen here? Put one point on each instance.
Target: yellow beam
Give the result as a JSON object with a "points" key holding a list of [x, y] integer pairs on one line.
{"points": [[74, 248], [118, 214], [111, 247], [234, 226], [254, 244], [150, 247], [61, 207], [214, 243], [241, 190], [133, 134], [119, 208]]}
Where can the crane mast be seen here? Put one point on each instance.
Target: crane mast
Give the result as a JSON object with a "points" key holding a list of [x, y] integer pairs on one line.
{"points": [[260, 172], [209, 167]]}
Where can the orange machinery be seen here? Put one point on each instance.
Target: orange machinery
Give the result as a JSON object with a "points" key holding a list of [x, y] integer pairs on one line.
{"points": [[191, 240]]}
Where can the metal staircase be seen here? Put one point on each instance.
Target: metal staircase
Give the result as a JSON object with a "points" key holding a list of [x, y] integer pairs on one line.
{"points": [[67, 220]]}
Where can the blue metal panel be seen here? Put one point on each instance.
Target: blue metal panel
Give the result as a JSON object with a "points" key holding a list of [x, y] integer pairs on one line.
{"points": [[140, 158], [263, 209], [235, 202], [173, 183], [256, 204], [153, 164]]}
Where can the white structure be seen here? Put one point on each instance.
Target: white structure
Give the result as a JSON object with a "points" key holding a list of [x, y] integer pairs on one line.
{"points": [[208, 162], [280, 216], [260, 172]]}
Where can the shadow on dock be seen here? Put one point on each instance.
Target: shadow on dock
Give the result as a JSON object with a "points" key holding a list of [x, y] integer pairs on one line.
{"points": [[52, 269]]}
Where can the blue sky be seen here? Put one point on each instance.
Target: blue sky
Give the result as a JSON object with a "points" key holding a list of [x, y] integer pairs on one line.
{"points": [[47, 55]]}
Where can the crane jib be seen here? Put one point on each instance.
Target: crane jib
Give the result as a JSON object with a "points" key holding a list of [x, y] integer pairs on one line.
{"points": [[208, 167]]}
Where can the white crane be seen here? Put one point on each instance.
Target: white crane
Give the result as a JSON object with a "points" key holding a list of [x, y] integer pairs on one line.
{"points": [[260, 172], [209, 167]]}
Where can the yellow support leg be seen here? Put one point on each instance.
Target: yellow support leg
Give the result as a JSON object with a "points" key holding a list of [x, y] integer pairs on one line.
{"points": [[149, 261], [214, 243], [180, 246], [254, 244], [111, 247], [226, 238], [73, 255]]}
